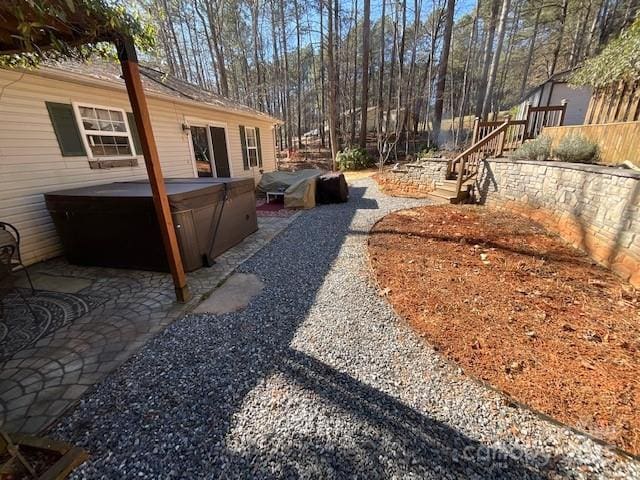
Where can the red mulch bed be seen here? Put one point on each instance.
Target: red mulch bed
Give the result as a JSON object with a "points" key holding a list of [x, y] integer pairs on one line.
{"points": [[274, 208], [516, 306]]}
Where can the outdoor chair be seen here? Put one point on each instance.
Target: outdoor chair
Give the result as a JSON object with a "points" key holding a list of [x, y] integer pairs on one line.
{"points": [[7, 277], [10, 236]]}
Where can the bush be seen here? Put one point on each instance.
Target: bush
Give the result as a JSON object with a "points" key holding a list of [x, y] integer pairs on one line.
{"points": [[536, 149], [577, 149], [428, 152], [355, 158]]}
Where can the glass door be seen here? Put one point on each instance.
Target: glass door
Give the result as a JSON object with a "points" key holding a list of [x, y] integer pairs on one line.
{"points": [[202, 151]]}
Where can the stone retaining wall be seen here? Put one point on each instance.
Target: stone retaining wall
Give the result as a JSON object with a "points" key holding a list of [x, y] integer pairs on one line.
{"points": [[423, 174], [594, 208]]}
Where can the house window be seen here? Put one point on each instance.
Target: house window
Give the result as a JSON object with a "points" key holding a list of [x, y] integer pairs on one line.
{"points": [[105, 131], [252, 146]]}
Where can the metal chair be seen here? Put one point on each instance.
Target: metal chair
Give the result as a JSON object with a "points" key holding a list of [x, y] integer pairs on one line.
{"points": [[7, 276], [10, 236]]}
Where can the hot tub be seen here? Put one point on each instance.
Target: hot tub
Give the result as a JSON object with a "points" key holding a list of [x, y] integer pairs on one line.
{"points": [[115, 225]]}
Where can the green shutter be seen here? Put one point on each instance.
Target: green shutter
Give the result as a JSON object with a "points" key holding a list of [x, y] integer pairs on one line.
{"points": [[243, 147], [259, 147], [66, 129], [133, 128]]}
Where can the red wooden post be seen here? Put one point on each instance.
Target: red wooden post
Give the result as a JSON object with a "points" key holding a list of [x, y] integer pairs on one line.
{"points": [[131, 74]]}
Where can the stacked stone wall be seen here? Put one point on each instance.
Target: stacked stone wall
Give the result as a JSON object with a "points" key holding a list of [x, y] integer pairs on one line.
{"points": [[595, 208]]}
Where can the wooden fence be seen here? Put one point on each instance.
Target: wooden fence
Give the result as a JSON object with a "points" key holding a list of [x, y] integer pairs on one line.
{"points": [[535, 119], [617, 103], [618, 141]]}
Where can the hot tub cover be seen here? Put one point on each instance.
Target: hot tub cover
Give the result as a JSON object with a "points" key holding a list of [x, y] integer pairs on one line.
{"points": [[299, 187]]}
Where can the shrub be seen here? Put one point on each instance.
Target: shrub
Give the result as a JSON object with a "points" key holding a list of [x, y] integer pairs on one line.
{"points": [[355, 158], [577, 149], [429, 151], [536, 149]]}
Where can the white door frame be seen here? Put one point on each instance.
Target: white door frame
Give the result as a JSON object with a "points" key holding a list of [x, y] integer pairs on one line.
{"points": [[200, 122]]}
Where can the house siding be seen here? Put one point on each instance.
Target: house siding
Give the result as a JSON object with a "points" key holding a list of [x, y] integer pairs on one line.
{"points": [[577, 100], [31, 163]]}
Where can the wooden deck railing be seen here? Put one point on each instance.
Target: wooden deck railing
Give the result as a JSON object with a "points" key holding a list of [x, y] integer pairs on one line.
{"points": [[515, 134], [494, 138], [535, 119], [540, 117], [467, 164]]}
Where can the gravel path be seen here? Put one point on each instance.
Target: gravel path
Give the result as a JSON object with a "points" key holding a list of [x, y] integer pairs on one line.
{"points": [[317, 378]]}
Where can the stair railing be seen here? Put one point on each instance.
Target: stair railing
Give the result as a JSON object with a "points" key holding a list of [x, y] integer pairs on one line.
{"points": [[467, 164]]}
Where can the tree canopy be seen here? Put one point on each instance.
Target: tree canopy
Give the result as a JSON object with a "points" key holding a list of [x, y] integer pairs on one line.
{"points": [[37, 30], [618, 61]]}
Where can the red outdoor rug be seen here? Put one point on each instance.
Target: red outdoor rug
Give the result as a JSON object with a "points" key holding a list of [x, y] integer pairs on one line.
{"points": [[274, 208]]}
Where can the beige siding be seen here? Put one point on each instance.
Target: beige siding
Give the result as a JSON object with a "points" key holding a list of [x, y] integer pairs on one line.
{"points": [[31, 163]]}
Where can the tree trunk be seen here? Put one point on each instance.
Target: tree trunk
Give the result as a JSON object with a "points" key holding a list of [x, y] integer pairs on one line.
{"points": [[333, 133], [364, 99], [299, 86], [354, 90], [532, 45], [392, 68], [489, 94], [410, 94], [255, 10], [486, 61], [287, 102], [506, 69], [562, 18], [217, 45], [442, 69], [323, 112], [465, 75], [380, 102]]}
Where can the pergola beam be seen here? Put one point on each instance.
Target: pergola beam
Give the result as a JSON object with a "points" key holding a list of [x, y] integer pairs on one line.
{"points": [[137, 99]]}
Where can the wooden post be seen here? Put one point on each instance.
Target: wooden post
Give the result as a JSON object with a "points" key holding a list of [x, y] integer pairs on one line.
{"points": [[502, 137], [563, 112], [476, 126], [131, 74], [527, 113]]}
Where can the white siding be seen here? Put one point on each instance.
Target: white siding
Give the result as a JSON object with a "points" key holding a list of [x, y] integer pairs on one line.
{"points": [[577, 100], [31, 163]]}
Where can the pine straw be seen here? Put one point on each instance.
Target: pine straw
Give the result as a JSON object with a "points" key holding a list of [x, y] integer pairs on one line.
{"points": [[517, 307]]}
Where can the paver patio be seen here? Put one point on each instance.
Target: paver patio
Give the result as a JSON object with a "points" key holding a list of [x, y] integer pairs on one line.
{"points": [[40, 382]]}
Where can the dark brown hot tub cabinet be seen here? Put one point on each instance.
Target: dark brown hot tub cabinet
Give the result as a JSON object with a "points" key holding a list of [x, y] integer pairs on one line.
{"points": [[115, 225]]}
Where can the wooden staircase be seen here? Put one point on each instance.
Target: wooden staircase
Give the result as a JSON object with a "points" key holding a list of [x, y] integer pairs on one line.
{"points": [[463, 170], [447, 192], [491, 139]]}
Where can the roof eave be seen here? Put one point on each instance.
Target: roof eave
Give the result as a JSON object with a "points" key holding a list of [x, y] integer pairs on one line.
{"points": [[56, 74]]}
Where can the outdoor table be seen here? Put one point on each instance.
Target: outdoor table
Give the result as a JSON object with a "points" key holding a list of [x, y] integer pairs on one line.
{"points": [[274, 195]]}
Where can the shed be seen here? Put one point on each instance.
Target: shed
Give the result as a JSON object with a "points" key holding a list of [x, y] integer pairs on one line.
{"points": [[555, 89]]}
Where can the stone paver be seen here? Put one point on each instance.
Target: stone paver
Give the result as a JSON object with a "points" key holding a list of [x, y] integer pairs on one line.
{"points": [[233, 295], [42, 381]]}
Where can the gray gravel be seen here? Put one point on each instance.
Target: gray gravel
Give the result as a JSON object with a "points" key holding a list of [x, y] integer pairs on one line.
{"points": [[317, 378]]}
